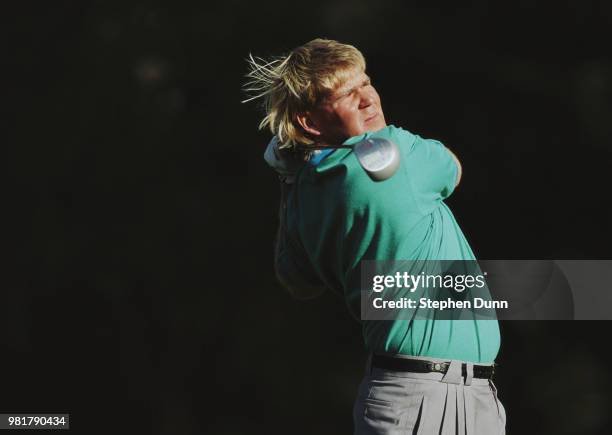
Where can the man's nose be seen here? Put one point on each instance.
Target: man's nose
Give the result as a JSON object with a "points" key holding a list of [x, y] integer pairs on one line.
{"points": [[366, 99]]}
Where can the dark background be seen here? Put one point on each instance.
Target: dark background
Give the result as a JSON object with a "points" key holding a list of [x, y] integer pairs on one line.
{"points": [[140, 216]]}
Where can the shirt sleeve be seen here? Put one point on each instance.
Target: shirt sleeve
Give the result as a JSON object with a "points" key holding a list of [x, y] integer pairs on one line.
{"points": [[292, 266], [433, 169]]}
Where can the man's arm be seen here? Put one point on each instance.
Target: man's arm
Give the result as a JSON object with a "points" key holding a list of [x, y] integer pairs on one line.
{"points": [[459, 169], [292, 267]]}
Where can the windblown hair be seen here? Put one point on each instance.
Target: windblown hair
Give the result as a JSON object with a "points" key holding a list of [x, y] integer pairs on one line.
{"points": [[298, 82]]}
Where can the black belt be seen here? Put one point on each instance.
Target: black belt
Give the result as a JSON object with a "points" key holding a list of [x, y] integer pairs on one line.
{"points": [[424, 366]]}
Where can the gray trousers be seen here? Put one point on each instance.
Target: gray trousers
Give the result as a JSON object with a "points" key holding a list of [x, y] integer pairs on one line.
{"points": [[391, 402]]}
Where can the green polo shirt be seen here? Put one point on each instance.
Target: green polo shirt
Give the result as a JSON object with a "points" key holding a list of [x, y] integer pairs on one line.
{"points": [[339, 217]]}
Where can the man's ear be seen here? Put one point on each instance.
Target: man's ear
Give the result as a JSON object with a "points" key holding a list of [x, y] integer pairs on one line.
{"points": [[308, 125]]}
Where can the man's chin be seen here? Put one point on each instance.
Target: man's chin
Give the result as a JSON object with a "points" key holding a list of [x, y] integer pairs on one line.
{"points": [[374, 121]]}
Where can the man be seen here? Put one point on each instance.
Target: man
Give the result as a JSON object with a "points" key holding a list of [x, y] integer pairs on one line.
{"points": [[423, 376]]}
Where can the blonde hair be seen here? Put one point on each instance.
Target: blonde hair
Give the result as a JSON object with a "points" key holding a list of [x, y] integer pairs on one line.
{"points": [[297, 82]]}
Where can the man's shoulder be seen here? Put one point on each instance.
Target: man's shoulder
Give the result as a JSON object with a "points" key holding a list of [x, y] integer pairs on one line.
{"points": [[340, 171], [399, 135]]}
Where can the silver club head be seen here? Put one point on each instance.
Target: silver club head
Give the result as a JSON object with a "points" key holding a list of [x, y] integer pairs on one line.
{"points": [[379, 157]]}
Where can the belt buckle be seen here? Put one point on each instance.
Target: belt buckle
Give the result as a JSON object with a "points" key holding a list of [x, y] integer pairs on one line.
{"points": [[438, 367]]}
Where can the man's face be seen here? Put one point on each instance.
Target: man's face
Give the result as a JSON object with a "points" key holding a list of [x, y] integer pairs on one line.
{"points": [[351, 110]]}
